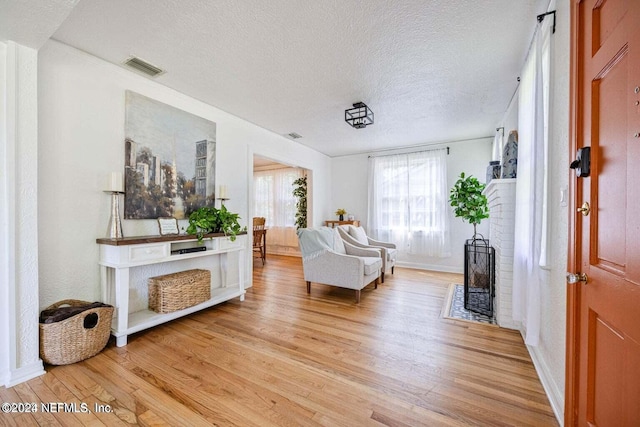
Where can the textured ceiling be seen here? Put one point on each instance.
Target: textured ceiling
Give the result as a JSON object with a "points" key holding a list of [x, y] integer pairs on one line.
{"points": [[31, 22], [431, 70]]}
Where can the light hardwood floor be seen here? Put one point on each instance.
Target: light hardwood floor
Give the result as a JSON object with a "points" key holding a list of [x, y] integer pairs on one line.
{"points": [[283, 357]]}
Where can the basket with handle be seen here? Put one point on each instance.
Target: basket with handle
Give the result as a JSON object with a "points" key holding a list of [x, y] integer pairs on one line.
{"points": [[176, 291], [76, 338]]}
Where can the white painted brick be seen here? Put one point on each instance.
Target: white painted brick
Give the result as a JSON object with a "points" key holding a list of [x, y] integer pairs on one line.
{"points": [[501, 197]]}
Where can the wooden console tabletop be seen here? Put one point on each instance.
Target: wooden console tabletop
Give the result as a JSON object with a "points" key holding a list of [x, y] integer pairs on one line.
{"points": [[136, 240]]}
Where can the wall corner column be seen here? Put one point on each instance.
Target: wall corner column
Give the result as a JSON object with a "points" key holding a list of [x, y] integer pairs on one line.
{"points": [[19, 302], [501, 195]]}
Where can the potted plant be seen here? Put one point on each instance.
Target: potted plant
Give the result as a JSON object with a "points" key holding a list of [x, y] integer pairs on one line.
{"points": [[208, 219], [341, 213], [300, 191], [229, 224], [468, 202]]}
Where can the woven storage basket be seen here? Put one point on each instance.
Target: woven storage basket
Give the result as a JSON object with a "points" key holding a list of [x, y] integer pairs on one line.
{"points": [[77, 338], [176, 291]]}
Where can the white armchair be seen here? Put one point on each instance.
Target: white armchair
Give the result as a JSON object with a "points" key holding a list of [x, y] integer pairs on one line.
{"points": [[356, 236], [327, 259]]}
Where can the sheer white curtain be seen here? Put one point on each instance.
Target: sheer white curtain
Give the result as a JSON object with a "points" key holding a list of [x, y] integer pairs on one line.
{"points": [[530, 247], [408, 202], [274, 200]]}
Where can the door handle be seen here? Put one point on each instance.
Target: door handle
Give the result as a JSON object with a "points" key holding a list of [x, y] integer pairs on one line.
{"points": [[573, 278]]}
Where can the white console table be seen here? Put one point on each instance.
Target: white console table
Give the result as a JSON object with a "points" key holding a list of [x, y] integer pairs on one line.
{"points": [[118, 256]]}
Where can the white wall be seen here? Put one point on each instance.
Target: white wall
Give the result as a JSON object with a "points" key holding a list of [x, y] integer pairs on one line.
{"points": [[350, 192], [81, 106]]}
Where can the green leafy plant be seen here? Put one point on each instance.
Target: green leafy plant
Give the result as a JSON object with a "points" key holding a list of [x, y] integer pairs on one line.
{"points": [[467, 200], [208, 219], [300, 191], [229, 224]]}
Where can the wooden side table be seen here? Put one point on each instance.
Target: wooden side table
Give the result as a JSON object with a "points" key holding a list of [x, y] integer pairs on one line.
{"points": [[334, 224]]}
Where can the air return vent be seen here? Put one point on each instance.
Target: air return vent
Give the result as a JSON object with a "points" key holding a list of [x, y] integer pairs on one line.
{"points": [[294, 135], [143, 66]]}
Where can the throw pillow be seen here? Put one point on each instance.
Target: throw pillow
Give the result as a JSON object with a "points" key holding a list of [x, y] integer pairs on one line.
{"points": [[359, 234], [338, 244]]}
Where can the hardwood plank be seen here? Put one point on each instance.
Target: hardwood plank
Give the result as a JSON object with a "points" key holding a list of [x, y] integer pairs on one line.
{"points": [[284, 357]]}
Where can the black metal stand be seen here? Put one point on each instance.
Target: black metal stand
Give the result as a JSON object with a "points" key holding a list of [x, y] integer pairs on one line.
{"points": [[479, 276]]}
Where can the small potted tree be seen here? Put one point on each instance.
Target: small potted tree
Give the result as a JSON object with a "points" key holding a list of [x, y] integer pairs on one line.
{"points": [[468, 202], [471, 205]]}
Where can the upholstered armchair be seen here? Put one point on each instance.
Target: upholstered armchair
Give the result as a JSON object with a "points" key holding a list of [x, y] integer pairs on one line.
{"points": [[356, 236], [327, 259]]}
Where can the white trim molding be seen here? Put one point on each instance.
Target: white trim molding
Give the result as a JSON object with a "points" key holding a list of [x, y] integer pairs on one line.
{"points": [[555, 395]]}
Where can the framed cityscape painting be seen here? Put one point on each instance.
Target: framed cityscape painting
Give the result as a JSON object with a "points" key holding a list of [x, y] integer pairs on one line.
{"points": [[170, 158]]}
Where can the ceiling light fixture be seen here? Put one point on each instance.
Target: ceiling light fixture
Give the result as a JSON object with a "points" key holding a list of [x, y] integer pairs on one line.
{"points": [[359, 116]]}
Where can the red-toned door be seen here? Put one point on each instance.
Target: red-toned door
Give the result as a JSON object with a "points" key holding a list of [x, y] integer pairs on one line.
{"points": [[604, 311]]}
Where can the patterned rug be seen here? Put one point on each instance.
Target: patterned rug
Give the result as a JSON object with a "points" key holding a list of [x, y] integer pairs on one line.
{"points": [[454, 307]]}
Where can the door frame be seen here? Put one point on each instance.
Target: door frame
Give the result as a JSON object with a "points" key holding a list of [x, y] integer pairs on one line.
{"points": [[286, 161], [574, 221]]}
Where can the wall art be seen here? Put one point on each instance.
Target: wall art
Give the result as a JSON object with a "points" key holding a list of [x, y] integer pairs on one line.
{"points": [[170, 158]]}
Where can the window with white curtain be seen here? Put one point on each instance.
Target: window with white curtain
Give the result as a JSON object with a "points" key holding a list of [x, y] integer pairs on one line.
{"points": [[273, 199], [408, 202]]}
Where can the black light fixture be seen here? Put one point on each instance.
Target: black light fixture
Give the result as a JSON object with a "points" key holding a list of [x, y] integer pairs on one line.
{"points": [[359, 116]]}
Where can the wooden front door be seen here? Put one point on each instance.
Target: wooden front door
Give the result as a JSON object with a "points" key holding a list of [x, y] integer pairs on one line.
{"points": [[603, 387]]}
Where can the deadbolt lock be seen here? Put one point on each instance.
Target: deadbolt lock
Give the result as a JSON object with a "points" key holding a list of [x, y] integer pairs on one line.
{"points": [[585, 209]]}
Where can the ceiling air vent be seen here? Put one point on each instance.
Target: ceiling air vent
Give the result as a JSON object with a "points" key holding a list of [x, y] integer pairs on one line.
{"points": [[294, 135], [143, 66]]}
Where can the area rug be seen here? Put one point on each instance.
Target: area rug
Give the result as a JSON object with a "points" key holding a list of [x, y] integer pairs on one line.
{"points": [[454, 307]]}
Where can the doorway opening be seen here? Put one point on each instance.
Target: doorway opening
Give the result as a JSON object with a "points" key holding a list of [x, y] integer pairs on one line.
{"points": [[272, 198]]}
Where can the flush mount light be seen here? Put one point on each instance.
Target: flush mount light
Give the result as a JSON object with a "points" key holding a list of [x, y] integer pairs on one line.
{"points": [[359, 116]]}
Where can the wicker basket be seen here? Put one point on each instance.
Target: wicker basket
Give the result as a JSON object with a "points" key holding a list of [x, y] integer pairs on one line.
{"points": [[77, 338], [176, 291]]}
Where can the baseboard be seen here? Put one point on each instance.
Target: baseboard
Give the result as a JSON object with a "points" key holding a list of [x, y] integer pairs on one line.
{"points": [[430, 267], [508, 324], [25, 373], [4, 377], [556, 398]]}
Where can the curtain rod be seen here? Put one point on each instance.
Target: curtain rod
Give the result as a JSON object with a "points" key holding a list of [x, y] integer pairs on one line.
{"points": [[415, 148], [410, 152], [543, 15], [539, 18]]}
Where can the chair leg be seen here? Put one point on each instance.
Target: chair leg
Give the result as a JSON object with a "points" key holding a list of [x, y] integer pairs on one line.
{"points": [[382, 277], [358, 296], [263, 254], [375, 283], [308, 287], [392, 267]]}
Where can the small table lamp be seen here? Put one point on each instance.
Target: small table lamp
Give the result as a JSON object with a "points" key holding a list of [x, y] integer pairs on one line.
{"points": [[115, 187]]}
